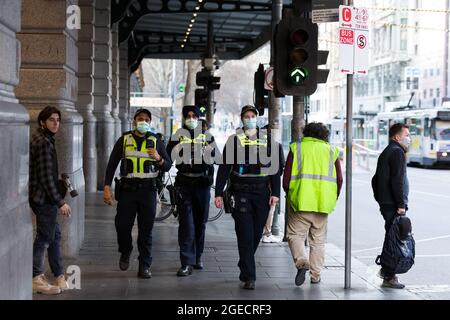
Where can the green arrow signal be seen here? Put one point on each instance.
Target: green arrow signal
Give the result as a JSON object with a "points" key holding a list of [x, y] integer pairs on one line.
{"points": [[202, 109], [298, 75]]}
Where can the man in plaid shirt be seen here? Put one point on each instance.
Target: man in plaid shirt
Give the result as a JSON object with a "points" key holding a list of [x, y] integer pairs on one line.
{"points": [[45, 199]]}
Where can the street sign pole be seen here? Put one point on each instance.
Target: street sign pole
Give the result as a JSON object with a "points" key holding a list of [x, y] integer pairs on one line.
{"points": [[348, 178], [275, 103]]}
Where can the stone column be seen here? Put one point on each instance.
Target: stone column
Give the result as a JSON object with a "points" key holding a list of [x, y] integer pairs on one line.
{"points": [[102, 88], [124, 94], [85, 105], [115, 81], [16, 232], [48, 77]]}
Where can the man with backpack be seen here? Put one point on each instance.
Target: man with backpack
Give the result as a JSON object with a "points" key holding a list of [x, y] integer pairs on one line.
{"points": [[390, 187]]}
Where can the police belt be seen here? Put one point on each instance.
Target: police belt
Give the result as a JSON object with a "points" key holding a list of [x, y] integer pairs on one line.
{"points": [[134, 184]]}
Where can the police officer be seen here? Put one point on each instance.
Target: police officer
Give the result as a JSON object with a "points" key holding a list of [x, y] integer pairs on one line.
{"points": [[193, 149], [142, 156], [252, 162]]}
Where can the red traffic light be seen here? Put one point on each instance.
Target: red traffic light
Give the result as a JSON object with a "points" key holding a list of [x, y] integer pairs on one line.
{"points": [[299, 37]]}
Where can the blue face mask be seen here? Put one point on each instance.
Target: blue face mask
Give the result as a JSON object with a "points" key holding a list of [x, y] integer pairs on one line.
{"points": [[142, 127], [249, 123], [191, 123]]}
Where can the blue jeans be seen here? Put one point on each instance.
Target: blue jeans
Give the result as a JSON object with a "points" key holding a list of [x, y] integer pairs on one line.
{"points": [[48, 236]]}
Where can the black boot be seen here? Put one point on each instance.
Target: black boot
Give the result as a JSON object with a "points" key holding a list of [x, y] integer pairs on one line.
{"points": [[124, 261], [144, 272], [184, 271], [198, 264]]}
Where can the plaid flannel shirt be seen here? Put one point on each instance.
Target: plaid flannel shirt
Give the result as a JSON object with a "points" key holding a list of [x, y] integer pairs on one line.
{"points": [[43, 186]]}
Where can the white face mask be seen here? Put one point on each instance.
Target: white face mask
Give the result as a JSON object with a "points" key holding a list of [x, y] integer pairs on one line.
{"points": [[249, 123], [406, 141], [142, 127], [191, 123]]}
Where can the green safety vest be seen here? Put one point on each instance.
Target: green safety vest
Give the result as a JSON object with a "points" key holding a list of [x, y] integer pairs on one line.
{"points": [[244, 140], [139, 158], [313, 186]]}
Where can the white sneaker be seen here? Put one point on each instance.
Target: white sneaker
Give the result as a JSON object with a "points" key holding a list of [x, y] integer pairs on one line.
{"points": [[270, 239]]}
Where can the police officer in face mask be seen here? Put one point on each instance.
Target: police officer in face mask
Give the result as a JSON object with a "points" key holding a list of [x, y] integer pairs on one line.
{"points": [[252, 163], [193, 149], [142, 156]]}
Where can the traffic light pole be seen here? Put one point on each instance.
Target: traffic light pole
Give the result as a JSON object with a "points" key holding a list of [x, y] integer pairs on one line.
{"points": [[348, 178], [275, 103], [209, 54], [297, 125]]}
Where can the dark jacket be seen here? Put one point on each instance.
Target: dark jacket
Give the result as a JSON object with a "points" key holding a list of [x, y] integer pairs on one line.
{"points": [[233, 165], [207, 169], [390, 184], [44, 185]]}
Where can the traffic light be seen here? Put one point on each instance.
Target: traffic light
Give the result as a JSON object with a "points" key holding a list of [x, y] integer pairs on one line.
{"points": [[206, 79], [297, 57], [261, 95], [201, 100]]}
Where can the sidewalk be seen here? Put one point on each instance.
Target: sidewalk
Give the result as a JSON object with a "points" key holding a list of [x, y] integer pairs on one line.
{"points": [[102, 279]]}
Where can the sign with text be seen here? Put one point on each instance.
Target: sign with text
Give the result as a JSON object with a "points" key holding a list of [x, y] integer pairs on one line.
{"points": [[325, 11], [346, 51], [353, 40]]}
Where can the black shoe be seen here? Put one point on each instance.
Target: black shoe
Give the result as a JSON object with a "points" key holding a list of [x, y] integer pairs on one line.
{"points": [[241, 277], [144, 273], [198, 264], [300, 277], [184, 271], [124, 261], [249, 285]]}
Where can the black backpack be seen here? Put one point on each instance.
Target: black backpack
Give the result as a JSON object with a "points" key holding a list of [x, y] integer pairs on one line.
{"points": [[398, 251]]}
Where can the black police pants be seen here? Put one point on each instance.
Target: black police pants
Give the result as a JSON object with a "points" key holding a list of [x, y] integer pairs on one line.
{"points": [[193, 216], [250, 215], [143, 203]]}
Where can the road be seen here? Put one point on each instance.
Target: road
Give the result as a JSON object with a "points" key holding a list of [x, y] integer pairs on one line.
{"points": [[429, 211]]}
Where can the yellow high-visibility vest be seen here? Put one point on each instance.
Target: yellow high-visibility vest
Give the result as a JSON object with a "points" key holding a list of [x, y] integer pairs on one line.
{"points": [[142, 165], [312, 185]]}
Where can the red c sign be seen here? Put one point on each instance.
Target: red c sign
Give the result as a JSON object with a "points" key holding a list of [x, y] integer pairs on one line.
{"points": [[346, 14]]}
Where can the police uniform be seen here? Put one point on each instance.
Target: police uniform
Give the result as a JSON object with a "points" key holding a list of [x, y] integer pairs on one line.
{"points": [[136, 193], [252, 184], [193, 182]]}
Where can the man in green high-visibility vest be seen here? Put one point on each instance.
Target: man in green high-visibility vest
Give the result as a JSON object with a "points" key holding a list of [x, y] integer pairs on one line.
{"points": [[312, 180]]}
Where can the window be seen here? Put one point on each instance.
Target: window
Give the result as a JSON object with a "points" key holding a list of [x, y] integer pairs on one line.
{"points": [[382, 127], [416, 49], [431, 72], [431, 93], [438, 71], [438, 92], [424, 94], [425, 73]]}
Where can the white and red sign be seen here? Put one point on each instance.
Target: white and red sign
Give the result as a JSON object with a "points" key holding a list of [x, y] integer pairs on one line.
{"points": [[346, 17], [268, 79], [361, 62], [353, 40], [346, 51]]}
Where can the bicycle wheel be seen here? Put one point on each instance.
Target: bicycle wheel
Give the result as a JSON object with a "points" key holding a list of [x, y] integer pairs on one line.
{"points": [[214, 213], [163, 206]]}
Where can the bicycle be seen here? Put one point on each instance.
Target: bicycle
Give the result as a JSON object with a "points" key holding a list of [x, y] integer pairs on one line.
{"points": [[165, 203]]}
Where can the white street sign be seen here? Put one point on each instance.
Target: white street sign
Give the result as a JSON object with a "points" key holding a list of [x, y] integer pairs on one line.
{"points": [[346, 51], [150, 102], [346, 17], [268, 79], [361, 62], [361, 18], [353, 40]]}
